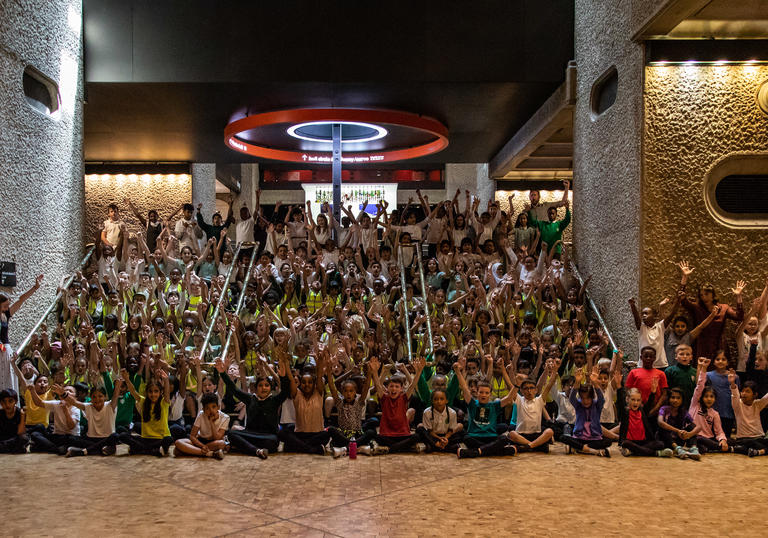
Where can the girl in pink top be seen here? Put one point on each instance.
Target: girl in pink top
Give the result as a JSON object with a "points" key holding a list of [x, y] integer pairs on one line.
{"points": [[711, 438]]}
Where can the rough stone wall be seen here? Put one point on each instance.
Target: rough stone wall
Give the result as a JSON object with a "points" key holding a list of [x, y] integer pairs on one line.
{"points": [[522, 198], [607, 163], [696, 115], [41, 164], [164, 193]]}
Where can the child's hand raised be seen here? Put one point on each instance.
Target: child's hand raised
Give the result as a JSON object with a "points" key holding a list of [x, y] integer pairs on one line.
{"points": [[595, 374], [654, 385], [704, 362], [220, 366], [519, 378], [732, 377], [373, 365], [578, 377]]}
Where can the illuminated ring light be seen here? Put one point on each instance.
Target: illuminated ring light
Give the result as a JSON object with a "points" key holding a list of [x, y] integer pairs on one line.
{"points": [[376, 131], [337, 115]]}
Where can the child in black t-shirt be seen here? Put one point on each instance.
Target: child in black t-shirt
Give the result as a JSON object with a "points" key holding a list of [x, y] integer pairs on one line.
{"points": [[13, 438]]}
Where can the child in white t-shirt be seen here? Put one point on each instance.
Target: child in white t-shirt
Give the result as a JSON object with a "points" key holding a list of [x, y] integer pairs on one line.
{"points": [[207, 437], [651, 333], [101, 438]]}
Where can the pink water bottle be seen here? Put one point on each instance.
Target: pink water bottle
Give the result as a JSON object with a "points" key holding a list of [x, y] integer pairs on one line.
{"points": [[352, 449]]}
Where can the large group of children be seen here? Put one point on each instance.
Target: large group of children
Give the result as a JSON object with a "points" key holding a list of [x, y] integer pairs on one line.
{"points": [[503, 357]]}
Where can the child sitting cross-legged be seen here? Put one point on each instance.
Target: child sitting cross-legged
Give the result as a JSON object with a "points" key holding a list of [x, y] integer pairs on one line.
{"points": [[439, 429], [528, 434], [636, 435], [676, 428], [750, 438], [394, 431], [588, 402], [483, 414], [155, 436], [351, 408], [207, 436], [711, 437], [101, 438]]}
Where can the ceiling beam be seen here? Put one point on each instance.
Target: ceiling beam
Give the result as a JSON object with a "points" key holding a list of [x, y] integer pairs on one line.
{"points": [[667, 17]]}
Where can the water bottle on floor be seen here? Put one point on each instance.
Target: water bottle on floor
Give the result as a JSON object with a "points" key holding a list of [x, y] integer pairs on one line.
{"points": [[352, 449]]}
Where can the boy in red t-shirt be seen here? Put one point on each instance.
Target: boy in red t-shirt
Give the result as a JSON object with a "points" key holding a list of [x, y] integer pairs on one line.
{"points": [[642, 379], [395, 430]]}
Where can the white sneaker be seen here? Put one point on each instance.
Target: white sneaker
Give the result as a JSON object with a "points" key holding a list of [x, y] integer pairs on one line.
{"points": [[421, 448], [219, 454], [339, 452], [380, 450], [281, 446], [364, 449]]}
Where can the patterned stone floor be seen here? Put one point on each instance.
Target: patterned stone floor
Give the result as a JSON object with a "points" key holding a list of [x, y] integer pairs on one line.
{"points": [[397, 495]]}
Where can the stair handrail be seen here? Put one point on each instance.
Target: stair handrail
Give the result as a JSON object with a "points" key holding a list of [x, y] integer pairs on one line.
{"points": [[240, 301], [598, 316], [52, 305], [224, 290]]}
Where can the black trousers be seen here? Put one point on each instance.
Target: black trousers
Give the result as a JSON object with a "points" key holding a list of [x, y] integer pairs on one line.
{"points": [[15, 445], [340, 440], [427, 439], [94, 444], [249, 442], [578, 444], [304, 442], [742, 445], [669, 438], [707, 444], [647, 447], [500, 446], [398, 443], [50, 442], [144, 445]]}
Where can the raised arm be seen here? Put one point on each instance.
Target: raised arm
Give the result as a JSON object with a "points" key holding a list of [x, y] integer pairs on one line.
{"points": [[373, 368], [26, 295], [635, 313]]}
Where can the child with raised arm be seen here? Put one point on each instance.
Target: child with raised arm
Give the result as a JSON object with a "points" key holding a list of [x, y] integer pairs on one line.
{"points": [[155, 436], [750, 438], [66, 422], [262, 411], [309, 435], [711, 437], [351, 409], [207, 436], [718, 380], [646, 377], [650, 333], [528, 434], [101, 438], [394, 431], [587, 401], [482, 416], [13, 437]]}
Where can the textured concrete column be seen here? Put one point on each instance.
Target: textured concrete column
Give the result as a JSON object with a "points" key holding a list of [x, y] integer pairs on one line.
{"points": [[41, 159], [607, 161], [472, 177], [204, 188]]}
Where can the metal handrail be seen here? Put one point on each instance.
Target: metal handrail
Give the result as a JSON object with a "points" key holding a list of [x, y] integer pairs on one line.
{"points": [[405, 303], [240, 301], [426, 302], [224, 290], [55, 301], [592, 304]]}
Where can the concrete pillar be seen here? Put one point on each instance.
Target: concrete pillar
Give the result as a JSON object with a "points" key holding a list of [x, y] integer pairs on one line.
{"points": [[472, 177], [204, 188], [607, 162], [41, 156]]}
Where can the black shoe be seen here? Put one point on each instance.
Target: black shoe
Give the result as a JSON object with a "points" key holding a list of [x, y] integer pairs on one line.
{"points": [[753, 453], [463, 453], [108, 450], [74, 451], [62, 450], [156, 452]]}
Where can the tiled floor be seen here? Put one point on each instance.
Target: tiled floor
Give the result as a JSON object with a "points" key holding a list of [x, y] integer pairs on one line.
{"points": [[397, 495]]}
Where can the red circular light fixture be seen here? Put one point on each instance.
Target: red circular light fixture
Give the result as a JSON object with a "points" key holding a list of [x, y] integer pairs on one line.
{"points": [[426, 127]]}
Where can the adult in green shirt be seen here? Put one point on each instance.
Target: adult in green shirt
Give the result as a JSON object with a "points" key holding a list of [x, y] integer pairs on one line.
{"points": [[552, 230]]}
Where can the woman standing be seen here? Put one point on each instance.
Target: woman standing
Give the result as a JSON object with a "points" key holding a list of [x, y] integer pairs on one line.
{"points": [[7, 310]]}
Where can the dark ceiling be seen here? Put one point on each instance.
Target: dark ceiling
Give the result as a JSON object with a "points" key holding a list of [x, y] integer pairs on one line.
{"points": [[163, 78]]}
